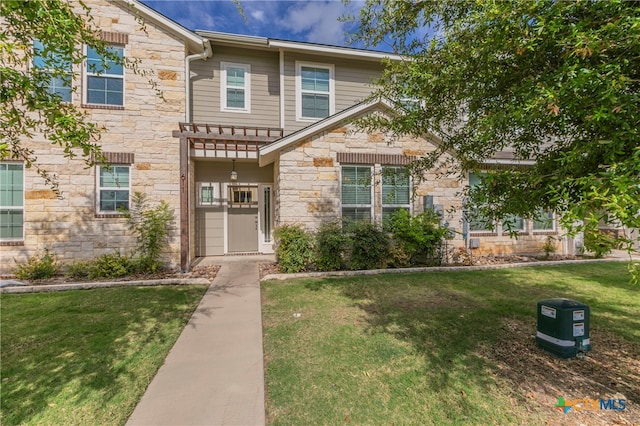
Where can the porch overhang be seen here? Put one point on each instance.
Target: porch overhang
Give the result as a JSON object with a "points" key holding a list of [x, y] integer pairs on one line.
{"points": [[223, 141]]}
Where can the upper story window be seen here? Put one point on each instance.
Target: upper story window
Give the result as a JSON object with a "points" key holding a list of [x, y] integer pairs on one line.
{"points": [[396, 190], [11, 201], [356, 193], [235, 90], [104, 79], [113, 188], [59, 68], [315, 93]]}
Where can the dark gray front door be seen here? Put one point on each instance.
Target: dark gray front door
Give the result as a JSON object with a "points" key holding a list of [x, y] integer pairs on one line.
{"points": [[243, 229]]}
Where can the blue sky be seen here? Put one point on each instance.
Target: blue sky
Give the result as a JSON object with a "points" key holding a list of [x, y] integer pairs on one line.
{"points": [[310, 21]]}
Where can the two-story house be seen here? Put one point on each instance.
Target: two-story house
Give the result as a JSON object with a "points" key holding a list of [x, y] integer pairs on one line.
{"points": [[269, 142], [137, 143]]}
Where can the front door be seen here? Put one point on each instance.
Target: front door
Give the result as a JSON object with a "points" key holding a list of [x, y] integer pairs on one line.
{"points": [[243, 229]]}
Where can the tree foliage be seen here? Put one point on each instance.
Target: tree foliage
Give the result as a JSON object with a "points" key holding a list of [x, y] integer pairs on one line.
{"points": [[546, 80], [28, 108]]}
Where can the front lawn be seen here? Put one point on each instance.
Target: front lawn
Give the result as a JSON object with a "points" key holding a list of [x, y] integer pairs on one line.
{"points": [[447, 348], [86, 357]]}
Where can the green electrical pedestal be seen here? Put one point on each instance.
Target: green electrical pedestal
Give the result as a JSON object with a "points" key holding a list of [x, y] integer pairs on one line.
{"points": [[563, 327]]}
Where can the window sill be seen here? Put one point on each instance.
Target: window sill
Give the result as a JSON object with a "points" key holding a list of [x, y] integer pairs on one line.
{"points": [[109, 215], [545, 232], [506, 234], [11, 243], [99, 106], [483, 234]]}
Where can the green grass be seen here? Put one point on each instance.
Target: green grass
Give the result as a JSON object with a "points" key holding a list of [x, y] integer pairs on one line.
{"points": [[444, 348], [86, 357]]}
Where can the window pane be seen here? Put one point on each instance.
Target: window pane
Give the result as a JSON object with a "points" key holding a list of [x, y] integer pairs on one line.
{"points": [[235, 98], [387, 212], [395, 186], [356, 214], [11, 223], [62, 87], [11, 185], [316, 79], [315, 106], [356, 185], [235, 77], [206, 195], [95, 63], [515, 223], [544, 221]]}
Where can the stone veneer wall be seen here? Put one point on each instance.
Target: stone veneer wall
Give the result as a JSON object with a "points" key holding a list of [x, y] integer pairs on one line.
{"points": [[69, 226], [308, 186]]}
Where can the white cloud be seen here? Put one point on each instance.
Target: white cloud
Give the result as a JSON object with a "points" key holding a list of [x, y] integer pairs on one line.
{"points": [[258, 15], [317, 21]]}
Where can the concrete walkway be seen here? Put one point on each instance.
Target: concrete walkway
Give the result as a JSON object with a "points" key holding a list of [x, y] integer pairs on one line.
{"points": [[214, 374]]}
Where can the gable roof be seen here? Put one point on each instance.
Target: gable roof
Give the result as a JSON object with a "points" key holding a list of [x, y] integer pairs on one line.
{"points": [[268, 153], [194, 42]]}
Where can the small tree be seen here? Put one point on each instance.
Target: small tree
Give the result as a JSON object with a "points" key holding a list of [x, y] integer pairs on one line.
{"points": [[151, 226]]}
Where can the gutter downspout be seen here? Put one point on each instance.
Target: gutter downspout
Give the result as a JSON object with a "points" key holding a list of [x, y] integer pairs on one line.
{"points": [[208, 53], [185, 185]]}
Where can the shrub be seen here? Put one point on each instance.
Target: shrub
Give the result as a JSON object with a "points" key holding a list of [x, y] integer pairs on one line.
{"points": [[151, 226], [419, 236], [329, 247], [38, 267], [294, 248], [112, 265], [368, 245], [549, 247], [77, 270]]}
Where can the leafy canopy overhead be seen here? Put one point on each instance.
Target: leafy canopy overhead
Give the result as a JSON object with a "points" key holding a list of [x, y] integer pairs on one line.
{"points": [[57, 30], [554, 81]]}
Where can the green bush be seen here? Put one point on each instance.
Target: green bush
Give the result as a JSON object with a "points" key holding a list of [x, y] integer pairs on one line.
{"points": [[111, 265], [294, 248], [38, 267], [78, 270], [419, 236], [151, 226], [329, 247], [368, 245]]}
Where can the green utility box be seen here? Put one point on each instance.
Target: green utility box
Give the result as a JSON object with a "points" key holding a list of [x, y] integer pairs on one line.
{"points": [[563, 327]]}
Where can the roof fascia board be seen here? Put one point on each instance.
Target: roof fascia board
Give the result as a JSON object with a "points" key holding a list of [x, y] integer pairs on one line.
{"points": [[193, 40], [333, 50], [235, 39]]}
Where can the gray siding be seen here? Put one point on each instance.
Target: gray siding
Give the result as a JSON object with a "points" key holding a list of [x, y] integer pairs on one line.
{"points": [[220, 171], [352, 84], [209, 232], [265, 88]]}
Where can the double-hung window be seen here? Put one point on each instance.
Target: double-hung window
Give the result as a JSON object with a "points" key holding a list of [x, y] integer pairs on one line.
{"points": [[396, 190], [356, 193], [57, 68], [11, 201], [315, 96], [104, 78], [513, 223], [113, 188], [235, 90]]}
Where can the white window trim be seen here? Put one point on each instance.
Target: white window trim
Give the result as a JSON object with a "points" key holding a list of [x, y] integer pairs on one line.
{"points": [[85, 79], [223, 87], [20, 208], [371, 189], [120, 188], [332, 89], [216, 202]]}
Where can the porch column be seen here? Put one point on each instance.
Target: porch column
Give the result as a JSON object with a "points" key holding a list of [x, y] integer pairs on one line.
{"points": [[184, 204]]}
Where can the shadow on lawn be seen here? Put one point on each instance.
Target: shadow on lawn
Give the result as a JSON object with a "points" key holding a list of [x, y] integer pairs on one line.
{"points": [[88, 355], [481, 329]]}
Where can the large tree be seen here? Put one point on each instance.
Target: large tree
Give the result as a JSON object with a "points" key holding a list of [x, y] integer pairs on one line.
{"points": [[42, 41], [553, 81]]}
